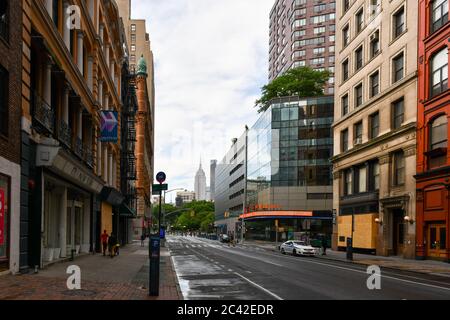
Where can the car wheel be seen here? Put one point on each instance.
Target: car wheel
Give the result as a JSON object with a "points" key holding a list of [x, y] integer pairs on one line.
{"points": [[282, 251], [294, 253]]}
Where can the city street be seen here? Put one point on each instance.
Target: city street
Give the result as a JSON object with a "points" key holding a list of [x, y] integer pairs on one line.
{"points": [[208, 269]]}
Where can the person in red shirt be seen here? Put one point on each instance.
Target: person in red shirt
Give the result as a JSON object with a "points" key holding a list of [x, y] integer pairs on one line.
{"points": [[104, 237]]}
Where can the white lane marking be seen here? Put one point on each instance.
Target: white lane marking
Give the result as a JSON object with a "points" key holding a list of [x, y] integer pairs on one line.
{"points": [[258, 286], [256, 258], [382, 276]]}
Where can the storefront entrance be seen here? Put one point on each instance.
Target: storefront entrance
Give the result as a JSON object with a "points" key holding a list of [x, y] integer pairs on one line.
{"points": [[437, 241], [398, 237]]}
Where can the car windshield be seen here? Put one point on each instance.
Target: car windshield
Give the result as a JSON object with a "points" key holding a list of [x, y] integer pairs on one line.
{"points": [[300, 243]]}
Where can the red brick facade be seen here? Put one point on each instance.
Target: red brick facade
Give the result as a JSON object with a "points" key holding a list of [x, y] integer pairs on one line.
{"points": [[10, 53], [433, 158]]}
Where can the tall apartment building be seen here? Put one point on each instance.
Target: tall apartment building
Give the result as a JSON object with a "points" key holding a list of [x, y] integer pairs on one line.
{"points": [[375, 126], [302, 33], [139, 50], [10, 111], [70, 183], [212, 179], [433, 158]]}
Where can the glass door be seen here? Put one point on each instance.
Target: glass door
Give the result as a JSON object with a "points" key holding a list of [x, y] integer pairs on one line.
{"points": [[437, 240]]}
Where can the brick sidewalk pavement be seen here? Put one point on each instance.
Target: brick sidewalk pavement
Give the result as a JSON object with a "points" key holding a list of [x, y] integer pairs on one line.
{"points": [[118, 283]]}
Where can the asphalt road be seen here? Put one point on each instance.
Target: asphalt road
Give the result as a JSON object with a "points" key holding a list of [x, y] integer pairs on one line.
{"points": [[207, 269]]}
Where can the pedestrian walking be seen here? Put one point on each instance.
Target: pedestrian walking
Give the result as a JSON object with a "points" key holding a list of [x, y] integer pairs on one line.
{"points": [[104, 238], [112, 243], [142, 240], [324, 245]]}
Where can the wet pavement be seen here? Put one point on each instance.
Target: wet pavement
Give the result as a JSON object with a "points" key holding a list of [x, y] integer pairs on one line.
{"points": [[208, 269]]}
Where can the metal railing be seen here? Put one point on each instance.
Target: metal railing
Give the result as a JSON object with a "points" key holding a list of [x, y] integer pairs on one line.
{"points": [[43, 113], [64, 133], [88, 156], [78, 147]]}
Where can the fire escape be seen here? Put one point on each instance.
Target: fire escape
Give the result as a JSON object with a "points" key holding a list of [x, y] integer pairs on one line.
{"points": [[128, 150]]}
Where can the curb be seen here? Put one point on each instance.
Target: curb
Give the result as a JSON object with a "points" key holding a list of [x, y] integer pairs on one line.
{"points": [[180, 293], [363, 264]]}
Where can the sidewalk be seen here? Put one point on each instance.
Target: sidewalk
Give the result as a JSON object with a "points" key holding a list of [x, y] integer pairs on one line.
{"points": [[124, 277], [421, 266]]}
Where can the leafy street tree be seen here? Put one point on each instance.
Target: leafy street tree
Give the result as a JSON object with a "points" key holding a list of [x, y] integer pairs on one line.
{"points": [[197, 216], [301, 81]]}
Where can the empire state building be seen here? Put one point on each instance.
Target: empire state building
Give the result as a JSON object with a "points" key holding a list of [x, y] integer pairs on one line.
{"points": [[200, 184]]}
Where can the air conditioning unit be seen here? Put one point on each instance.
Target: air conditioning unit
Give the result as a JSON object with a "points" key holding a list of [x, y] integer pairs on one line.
{"points": [[357, 141], [374, 37]]}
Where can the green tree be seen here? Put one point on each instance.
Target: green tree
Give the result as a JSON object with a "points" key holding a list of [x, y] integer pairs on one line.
{"points": [[301, 81], [197, 215]]}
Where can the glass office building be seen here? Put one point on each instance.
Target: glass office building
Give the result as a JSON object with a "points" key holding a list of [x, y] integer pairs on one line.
{"points": [[289, 174]]}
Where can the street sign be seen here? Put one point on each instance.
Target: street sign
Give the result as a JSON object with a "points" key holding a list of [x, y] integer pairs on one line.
{"points": [[161, 177], [109, 126], [156, 188]]}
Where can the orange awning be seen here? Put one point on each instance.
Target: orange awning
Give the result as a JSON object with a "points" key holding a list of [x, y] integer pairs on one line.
{"points": [[261, 214]]}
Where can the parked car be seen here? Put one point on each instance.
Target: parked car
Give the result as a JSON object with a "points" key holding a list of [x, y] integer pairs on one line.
{"points": [[224, 238], [297, 248]]}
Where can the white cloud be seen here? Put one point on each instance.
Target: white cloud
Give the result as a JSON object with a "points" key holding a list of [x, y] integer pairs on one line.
{"points": [[211, 58]]}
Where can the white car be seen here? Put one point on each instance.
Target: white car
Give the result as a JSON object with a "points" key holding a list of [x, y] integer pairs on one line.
{"points": [[297, 248]]}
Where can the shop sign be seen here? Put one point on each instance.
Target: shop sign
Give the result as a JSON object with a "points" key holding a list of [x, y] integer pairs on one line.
{"points": [[109, 126], [2, 217]]}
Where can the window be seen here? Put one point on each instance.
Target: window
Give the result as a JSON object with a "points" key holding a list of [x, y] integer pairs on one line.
{"points": [[359, 20], [439, 72], [374, 122], [399, 168], [345, 5], [133, 38], [397, 113], [358, 131], [374, 44], [4, 85], [344, 104], [439, 14], [437, 154], [345, 70], [362, 179], [346, 35], [133, 28], [319, 30], [398, 68], [374, 84], [348, 182], [399, 22], [344, 140], [359, 58], [438, 134], [374, 180], [4, 30], [358, 95], [133, 47], [319, 50], [375, 7]]}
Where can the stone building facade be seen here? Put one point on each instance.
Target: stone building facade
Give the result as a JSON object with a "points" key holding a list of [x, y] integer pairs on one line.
{"points": [[375, 126]]}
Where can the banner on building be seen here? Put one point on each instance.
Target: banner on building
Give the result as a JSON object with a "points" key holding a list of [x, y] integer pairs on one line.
{"points": [[2, 217], [109, 126]]}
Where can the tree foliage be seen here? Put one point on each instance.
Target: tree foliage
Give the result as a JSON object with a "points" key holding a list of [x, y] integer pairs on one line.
{"points": [[301, 81], [196, 216]]}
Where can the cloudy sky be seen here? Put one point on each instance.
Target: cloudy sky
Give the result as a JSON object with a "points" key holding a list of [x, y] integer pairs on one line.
{"points": [[211, 59]]}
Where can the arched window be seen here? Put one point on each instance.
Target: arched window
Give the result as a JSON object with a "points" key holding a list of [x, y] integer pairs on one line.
{"points": [[438, 134], [437, 154], [439, 72], [439, 14]]}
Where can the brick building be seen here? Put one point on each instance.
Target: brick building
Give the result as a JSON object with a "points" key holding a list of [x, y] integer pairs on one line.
{"points": [[302, 33], [433, 158], [10, 110]]}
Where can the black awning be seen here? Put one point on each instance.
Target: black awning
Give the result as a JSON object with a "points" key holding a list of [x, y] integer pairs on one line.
{"points": [[112, 196], [126, 212]]}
